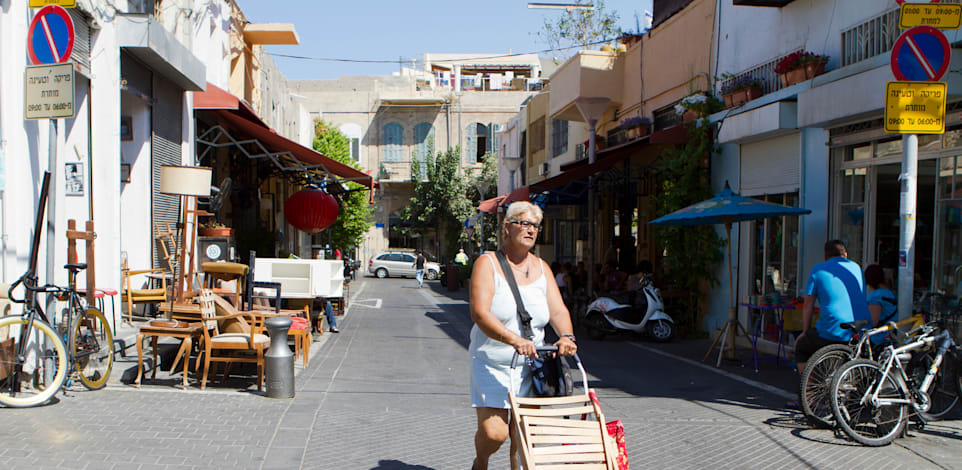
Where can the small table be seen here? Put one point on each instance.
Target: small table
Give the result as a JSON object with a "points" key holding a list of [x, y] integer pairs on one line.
{"points": [[186, 333], [780, 355]]}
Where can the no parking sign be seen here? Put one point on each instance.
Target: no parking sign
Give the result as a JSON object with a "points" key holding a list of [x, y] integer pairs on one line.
{"points": [[51, 36], [921, 54]]}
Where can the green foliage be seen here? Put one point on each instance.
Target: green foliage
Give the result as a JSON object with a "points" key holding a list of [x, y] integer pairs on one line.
{"points": [[579, 27], [440, 203], [487, 180], [354, 219], [692, 253]]}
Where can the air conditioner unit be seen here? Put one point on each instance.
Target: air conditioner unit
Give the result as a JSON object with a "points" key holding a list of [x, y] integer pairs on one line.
{"points": [[544, 169]]}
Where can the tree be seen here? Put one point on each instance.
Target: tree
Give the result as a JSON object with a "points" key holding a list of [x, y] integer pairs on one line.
{"points": [[580, 27], [354, 219], [440, 203], [692, 253]]}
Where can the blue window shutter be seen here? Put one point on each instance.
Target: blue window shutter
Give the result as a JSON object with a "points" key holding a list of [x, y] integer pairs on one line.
{"points": [[423, 137], [471, 142], [393, 139]]}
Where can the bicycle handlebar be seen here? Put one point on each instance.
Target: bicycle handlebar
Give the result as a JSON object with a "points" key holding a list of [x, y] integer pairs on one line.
{"points": [[47, 288]]}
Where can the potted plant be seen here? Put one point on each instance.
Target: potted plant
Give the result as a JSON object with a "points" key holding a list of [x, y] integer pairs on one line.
{"points": [[814, 64], [636, 126], [800, 66], [698, 105], [736, 91], [214, 229]]}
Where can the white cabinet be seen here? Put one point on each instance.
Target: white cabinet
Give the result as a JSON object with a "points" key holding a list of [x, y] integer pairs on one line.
{"points": [[302, 278]]}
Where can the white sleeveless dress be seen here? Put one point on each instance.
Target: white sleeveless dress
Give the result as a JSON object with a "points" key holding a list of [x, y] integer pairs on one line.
{"points": [[490, 358]]}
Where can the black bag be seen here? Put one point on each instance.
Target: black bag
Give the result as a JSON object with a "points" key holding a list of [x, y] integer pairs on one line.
{"points": [[550, 374]]}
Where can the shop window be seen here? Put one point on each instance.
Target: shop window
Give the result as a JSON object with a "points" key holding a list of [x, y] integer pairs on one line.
{"points": [[353, 133], [775, 251], [392, 136], [948, 270], [851, 214]]}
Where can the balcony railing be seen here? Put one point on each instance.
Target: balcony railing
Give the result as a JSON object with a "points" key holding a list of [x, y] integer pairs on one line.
{"points": [[871, 38], [765, 73], [488, 84]]}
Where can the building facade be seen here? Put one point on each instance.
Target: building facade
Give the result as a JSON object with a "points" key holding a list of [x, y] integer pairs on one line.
{"points": [[452, 101]]}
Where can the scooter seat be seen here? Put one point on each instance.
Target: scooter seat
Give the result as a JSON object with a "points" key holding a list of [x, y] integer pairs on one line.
{"points": [[627, 314]]}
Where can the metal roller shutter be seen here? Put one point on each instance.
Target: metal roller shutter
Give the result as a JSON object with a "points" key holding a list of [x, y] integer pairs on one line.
{"points": [[81, 44], [770, 166], [166, 150]]}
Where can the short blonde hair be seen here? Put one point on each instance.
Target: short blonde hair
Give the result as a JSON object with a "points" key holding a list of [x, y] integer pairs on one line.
{"points": [[519, 208]]}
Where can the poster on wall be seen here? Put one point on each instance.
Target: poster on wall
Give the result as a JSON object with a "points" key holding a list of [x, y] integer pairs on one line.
{"points": [[74, 178]]}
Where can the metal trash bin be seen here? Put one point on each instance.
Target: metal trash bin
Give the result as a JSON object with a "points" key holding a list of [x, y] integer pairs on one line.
{"points": [[279, 360]]}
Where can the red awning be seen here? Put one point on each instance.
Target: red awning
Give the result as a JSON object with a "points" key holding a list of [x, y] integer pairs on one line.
{"points": [[237, 115], [491, 205], [581, 171], [215, 98]]}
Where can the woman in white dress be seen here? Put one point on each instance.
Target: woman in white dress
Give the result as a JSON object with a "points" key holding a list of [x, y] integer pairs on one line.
{"points": [[496, 334]]}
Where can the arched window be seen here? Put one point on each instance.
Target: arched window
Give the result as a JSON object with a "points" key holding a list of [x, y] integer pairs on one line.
{"points": [[353, 132], [423, 143], [392, 138], [476, 142]]}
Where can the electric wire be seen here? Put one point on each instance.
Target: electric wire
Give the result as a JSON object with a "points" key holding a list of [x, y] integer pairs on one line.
{"points": [[394, 61]]}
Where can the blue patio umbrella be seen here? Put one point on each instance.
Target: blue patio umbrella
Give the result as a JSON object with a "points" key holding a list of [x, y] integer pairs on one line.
{"points": [[727, 207]]}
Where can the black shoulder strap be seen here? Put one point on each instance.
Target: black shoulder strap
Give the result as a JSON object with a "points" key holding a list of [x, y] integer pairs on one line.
{"points": [[523, 316]]}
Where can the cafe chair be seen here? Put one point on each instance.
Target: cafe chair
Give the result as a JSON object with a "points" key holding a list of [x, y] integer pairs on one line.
{"points": [[231, 336], [141, 293], [226, 278]]}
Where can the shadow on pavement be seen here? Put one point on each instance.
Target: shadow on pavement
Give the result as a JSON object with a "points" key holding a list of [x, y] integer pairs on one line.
{"points": [[398, 465]]}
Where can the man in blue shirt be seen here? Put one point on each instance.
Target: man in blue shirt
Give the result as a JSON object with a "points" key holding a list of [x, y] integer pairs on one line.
{"points": [[839, 286]]}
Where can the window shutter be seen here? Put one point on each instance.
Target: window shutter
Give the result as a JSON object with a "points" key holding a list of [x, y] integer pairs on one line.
{"points": [[81, 43], [770, 166], [471, 142], [393, 133]]}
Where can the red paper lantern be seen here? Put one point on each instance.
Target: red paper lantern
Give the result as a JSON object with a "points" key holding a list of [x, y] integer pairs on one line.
{"points": [[310, 210]]}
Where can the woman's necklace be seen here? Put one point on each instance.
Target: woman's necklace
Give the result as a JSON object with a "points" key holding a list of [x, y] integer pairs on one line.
{"points": [[527, 270]]}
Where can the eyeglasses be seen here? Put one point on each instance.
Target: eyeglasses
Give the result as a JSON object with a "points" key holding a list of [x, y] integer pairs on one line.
{"points": [[525, 224]]}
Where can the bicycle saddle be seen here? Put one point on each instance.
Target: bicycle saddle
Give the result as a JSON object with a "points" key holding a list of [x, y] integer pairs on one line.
{"points": [[74, 268], [854, 325]]}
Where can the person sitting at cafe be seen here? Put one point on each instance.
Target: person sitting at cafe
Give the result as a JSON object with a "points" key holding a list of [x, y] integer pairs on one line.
{"points": [[614, 278]]}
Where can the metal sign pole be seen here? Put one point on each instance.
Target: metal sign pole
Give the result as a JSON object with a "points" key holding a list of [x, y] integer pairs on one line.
{"points": [[907, 202]]}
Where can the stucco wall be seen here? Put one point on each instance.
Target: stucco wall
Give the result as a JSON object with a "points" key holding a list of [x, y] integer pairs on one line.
{"points": [[678, 52]]}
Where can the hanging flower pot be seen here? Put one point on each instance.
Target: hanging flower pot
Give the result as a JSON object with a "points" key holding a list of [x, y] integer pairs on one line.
{"points": [[310, 210]]}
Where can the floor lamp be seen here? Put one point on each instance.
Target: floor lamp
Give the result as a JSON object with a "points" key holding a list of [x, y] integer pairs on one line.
{"points": [[186, 182]]}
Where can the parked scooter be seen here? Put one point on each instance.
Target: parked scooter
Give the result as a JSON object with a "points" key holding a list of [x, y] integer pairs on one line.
{"points": [[606, 316]]}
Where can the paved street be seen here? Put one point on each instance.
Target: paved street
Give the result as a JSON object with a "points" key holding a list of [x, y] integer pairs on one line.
{"points": [[390, 392]]}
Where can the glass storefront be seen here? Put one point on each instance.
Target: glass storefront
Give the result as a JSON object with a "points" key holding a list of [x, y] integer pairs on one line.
{"points": [[866, 208], [775, 250]]}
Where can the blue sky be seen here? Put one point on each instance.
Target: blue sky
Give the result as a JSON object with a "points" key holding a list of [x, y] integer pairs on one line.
{"points": [[389, 29]]}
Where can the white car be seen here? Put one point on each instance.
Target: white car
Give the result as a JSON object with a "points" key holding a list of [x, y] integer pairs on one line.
{"points": [[400, 265]]}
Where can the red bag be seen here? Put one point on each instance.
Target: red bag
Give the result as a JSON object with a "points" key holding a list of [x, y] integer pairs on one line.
{"points": [[617, 432]]}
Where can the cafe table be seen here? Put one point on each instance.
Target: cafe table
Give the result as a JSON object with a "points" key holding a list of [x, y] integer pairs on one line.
{"points": [[777, 310]]}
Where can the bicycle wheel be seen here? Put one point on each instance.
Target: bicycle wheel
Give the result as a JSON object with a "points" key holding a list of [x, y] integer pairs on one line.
{"points": [[815, 383], [42, 370], [91, 346], [869, 425], [942, 393]]}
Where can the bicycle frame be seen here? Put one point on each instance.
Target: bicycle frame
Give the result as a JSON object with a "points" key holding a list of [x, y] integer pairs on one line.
{"points": [[944, 343]]}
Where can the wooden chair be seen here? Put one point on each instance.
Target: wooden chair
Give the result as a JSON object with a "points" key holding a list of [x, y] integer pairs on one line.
{"points": [[231, 336], [144, 293], [265, 292], [226, 271]]}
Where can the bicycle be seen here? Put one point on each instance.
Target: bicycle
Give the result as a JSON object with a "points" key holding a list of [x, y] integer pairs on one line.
{"points": [[870, 399], [46, 357], [817, 377]]}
